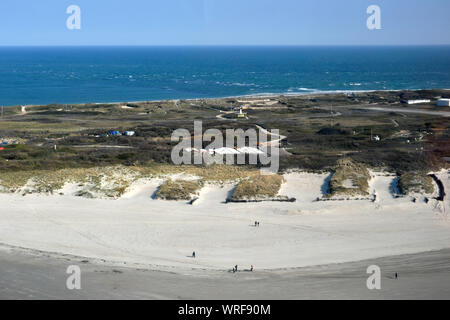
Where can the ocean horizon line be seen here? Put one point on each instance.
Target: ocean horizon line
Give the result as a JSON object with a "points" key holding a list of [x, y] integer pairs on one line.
{"points": [[217, 45]]}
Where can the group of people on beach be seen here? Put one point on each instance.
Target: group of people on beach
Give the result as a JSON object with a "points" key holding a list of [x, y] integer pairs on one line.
{"points": [[235, 268]]}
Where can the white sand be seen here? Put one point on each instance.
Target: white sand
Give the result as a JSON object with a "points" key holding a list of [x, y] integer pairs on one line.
{"points": [[161, 234]]}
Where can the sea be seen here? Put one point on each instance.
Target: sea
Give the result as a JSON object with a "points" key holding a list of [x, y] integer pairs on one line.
{"points": [[65, 75]]}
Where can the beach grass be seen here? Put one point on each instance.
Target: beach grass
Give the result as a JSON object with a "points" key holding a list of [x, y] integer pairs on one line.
{"points": [[415, 182], [258, 187], [350, 178], [179, 189], [114, 181]]}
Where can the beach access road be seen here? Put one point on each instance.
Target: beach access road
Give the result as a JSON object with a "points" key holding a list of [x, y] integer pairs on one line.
{"points": [[403, 110]]}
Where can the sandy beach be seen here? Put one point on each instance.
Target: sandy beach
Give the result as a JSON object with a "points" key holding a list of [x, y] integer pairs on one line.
{"points": [[138, 231], [36, 276]]}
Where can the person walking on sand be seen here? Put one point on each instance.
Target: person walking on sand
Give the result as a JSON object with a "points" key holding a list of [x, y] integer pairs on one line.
{"points": [[193, 254], [236, 268], [396, 275], [251, 268]]}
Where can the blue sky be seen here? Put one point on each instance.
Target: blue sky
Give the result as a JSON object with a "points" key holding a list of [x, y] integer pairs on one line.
{"points": [[224, 22]]}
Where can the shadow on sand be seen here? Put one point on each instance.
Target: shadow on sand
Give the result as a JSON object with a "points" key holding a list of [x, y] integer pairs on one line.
{"points": [[393, 188], [230, 194], [325, 188]]}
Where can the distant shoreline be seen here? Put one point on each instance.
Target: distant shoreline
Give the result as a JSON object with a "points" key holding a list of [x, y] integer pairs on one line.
{"points": [[251, 96]]}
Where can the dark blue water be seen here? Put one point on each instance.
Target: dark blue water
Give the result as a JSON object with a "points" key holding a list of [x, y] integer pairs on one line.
{"points": [[100, 74]]}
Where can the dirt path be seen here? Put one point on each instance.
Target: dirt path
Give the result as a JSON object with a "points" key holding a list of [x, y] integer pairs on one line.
{"points": [[103, 146], [408, 110], [276, 142], [222, 114]]}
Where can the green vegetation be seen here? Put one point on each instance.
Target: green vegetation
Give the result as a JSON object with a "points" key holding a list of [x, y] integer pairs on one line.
{"points": [[316, 140], [258, 187], [179, 190], [415, 182]]}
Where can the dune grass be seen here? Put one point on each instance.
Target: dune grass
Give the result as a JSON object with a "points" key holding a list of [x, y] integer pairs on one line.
{"points": [[109, 181], [349, 178], [179, 189], [415, 182], [113, 181], [213, 173], [258, 187]]}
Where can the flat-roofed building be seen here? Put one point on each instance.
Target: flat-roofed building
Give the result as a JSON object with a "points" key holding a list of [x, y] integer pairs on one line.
{"points": [[443, 103], [417, 101]]}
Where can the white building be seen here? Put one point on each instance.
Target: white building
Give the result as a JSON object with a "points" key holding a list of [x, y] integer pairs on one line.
{"points": [[250, 150], [443, 103], [417, 101], [223, 151]]}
